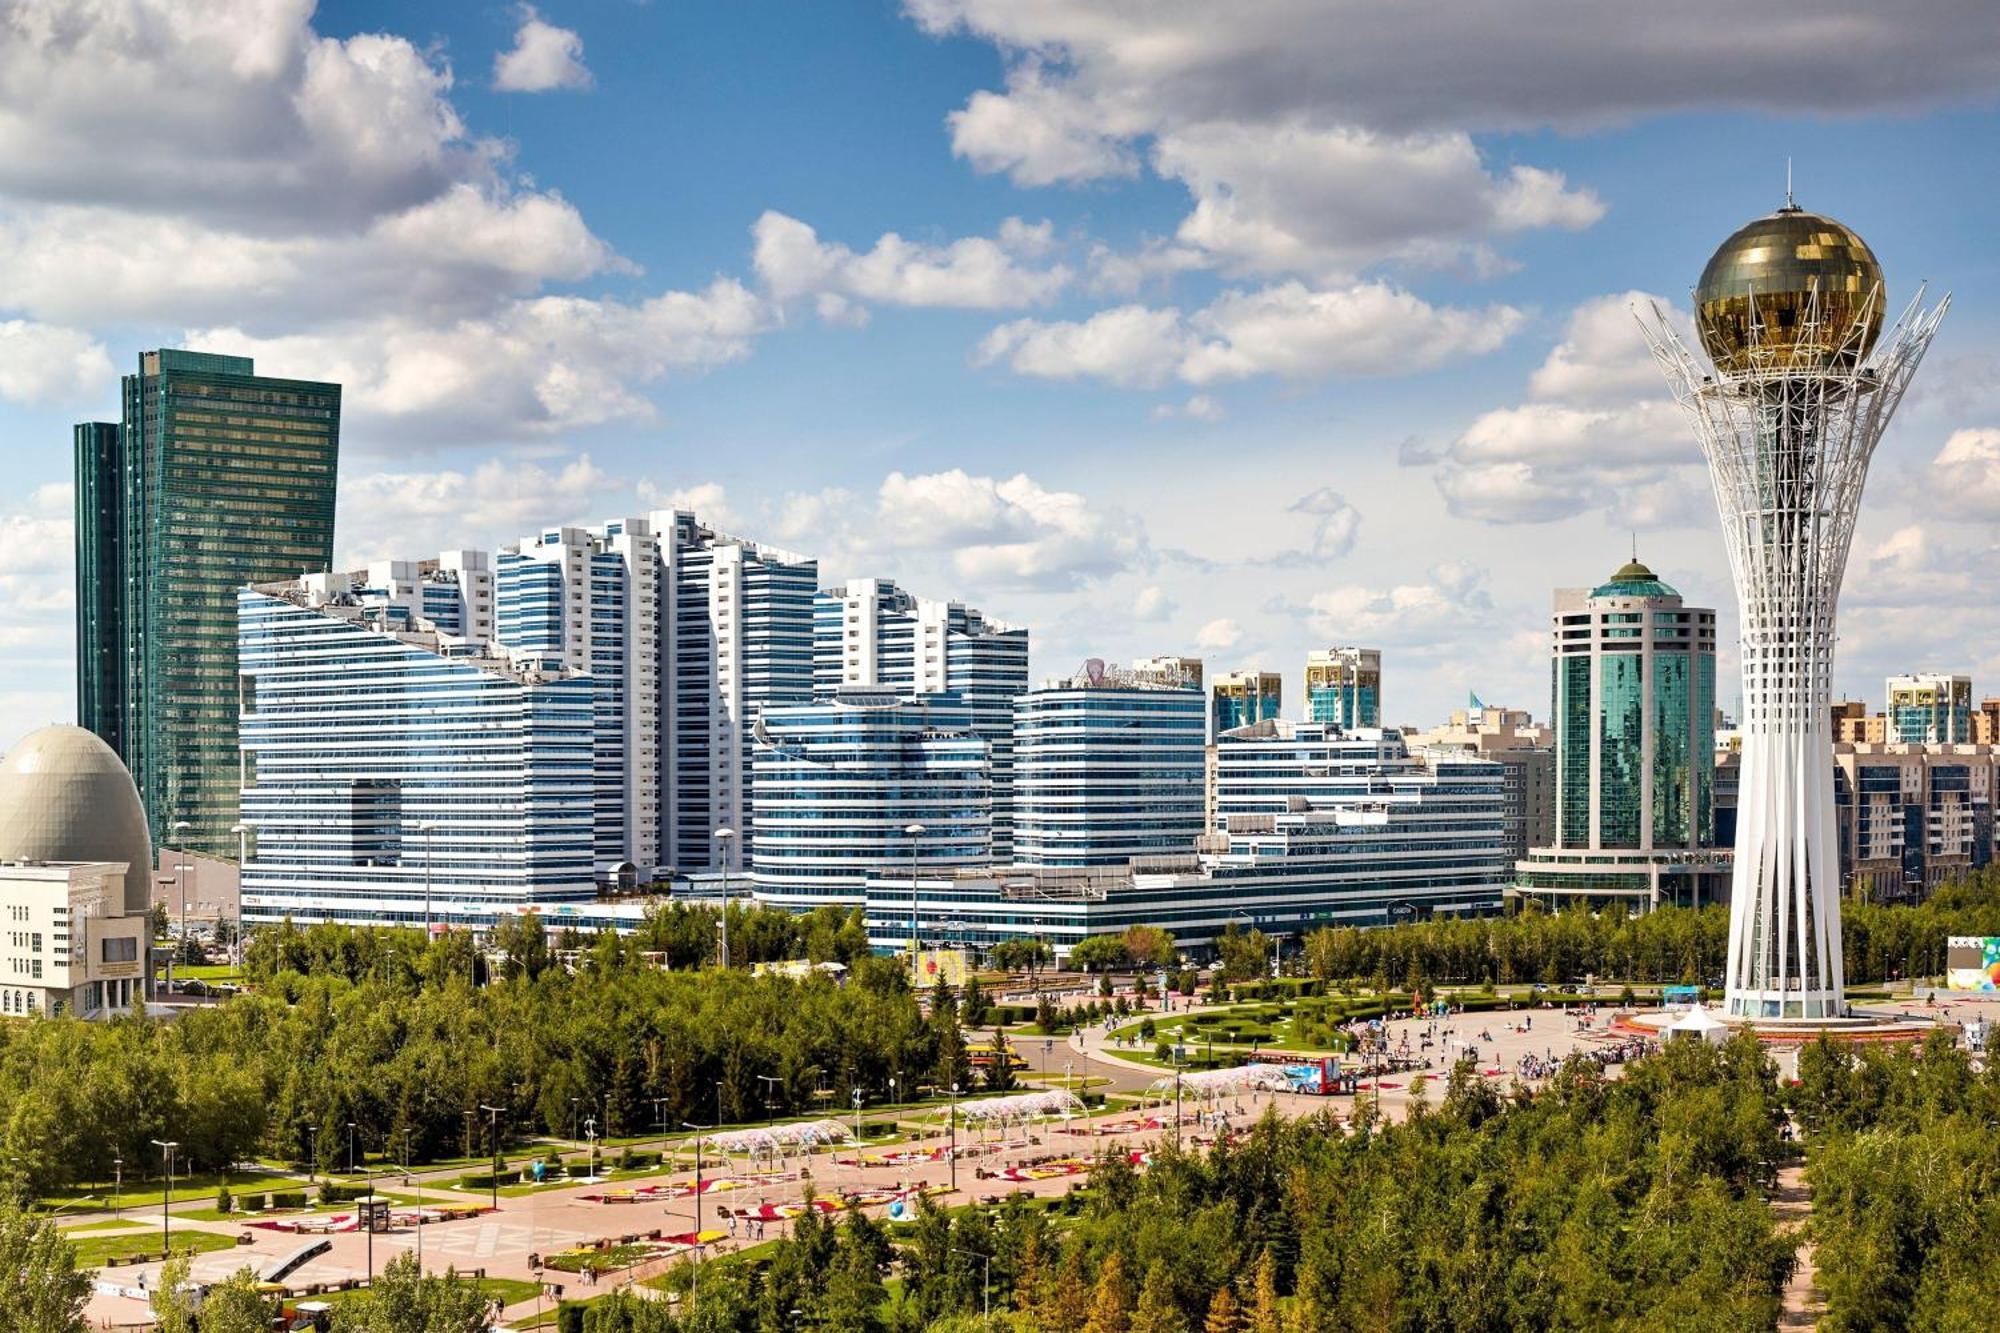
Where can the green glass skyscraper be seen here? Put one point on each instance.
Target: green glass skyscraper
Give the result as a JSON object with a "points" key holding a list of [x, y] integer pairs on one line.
{"points": [[214, 477], [1633, 709]]}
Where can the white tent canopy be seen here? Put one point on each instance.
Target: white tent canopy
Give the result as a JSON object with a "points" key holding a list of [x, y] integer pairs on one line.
{"points": [[779, 1138], [1701, 1025], [1231, 1082], [1020, 1108]]}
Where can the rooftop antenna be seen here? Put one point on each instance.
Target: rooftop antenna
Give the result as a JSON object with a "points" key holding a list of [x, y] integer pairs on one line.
{"points": [[1635, 546], [1789, 201]]}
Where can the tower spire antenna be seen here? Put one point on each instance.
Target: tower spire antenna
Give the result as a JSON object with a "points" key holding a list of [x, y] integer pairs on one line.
{"points": [[1789, 201]]}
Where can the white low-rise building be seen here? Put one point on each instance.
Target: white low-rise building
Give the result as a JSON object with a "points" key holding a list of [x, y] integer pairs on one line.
{"points": [[69, 946]]}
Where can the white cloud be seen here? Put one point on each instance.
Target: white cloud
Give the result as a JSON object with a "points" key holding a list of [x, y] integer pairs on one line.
{"points": [[1598, 433], [234, 110], [1538, 62], [1319, 136], [974, 272], [1199, 407], [1287, 330], [493, 504], [992, 533], [1965, 475], [1131, 345], [1152, 605], [1038, 134], [1409, 616], [707, 501], [464, 251], [536, 367], [1336, 523], [1329, 201], [46, 365], [1219, 634], [543, 58]]}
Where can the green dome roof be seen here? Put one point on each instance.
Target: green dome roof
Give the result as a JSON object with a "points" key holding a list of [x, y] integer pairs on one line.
{"points": [[1633, 579]]}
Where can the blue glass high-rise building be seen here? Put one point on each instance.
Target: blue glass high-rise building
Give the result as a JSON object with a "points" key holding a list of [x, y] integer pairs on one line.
{"points": [[871, 633], [1108, 765], [1633, 710], [841, 780]]}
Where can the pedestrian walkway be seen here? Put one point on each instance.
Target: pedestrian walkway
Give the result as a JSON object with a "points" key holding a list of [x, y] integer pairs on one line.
{"points": [[1802, 1303]]}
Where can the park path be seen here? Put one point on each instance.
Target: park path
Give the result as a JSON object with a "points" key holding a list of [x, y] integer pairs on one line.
{"points": [[1802, 1304]]}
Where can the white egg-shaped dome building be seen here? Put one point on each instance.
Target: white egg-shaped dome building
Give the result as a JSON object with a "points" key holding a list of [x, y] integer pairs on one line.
{"points": [[66, 796]]}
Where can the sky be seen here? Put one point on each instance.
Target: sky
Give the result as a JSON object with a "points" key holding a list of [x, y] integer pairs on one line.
{"points": [[1164, 327]]}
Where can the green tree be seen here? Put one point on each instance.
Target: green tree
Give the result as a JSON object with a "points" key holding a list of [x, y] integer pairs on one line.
{"points": [[41, 1289], [404, 1299], [235, 1305]]}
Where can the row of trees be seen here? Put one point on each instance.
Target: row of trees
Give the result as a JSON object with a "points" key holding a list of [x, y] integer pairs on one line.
{"points": [[1904, 1168], [1671, 945], [679, 936], [1630, 1203], [617, 1040]]}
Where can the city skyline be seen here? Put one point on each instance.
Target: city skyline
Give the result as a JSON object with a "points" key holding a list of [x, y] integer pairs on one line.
{"points": [[826, 311]]}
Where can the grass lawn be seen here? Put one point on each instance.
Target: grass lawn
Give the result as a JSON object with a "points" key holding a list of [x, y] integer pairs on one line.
{"points": [[149, 1193], [507, 1290], [98, 1251], [109, 1224]]}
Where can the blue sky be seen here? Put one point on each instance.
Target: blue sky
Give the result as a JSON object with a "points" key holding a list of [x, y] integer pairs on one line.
{"points": [[1156, 328]]}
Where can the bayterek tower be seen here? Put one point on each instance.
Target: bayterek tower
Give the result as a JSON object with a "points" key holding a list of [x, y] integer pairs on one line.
{"points": [[1796, 386]]}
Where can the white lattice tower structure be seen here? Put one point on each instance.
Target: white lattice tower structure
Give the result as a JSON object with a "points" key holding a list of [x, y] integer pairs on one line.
{"points": [[1788, 438]]}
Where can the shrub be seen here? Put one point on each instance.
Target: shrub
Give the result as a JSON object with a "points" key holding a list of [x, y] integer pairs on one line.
{"points": [[288, 1198], [257, 1203], [224, 1201]]}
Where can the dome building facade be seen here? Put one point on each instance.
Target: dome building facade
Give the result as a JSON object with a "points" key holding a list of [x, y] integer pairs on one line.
{"points": [[66, 796]]}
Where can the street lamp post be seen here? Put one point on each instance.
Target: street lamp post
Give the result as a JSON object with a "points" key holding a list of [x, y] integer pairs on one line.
{"points": [[590, 1130], [951, 1154], [167, 1148], [724, 836], [242, 832], [350, 1147], [857, 1120], [180, 891], [493, 1142], [986, 1286], [424, 826], [312, 1152], [915, 833], [117, 1184], [660, 1118], [770, 1115], [1177, 1097], [698, 1131]]}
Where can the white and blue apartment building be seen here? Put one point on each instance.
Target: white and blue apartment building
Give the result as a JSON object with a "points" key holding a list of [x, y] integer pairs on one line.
{"points": [[867, 782], [1315, 826], [393, 773], [870, 633]]}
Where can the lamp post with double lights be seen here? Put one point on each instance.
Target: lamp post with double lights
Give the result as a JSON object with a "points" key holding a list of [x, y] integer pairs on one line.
{"points": [[915, 833], [167, 1148], [951, 1153], [425, 827], [242, 832], [493, 1142], [312, 1152], [724, 836], [180, 891]]}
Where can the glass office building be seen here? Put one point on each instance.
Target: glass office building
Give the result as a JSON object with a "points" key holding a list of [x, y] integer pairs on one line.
{"points": [[1632, 682], [871, 633], [840, 780], [392, 775], [1930, 708], [213, 478], [1344, 687], [1241, 698], [1107, 766]]}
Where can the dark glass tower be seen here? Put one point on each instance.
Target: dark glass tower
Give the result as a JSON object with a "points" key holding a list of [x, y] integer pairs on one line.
{"points": [[215, 477]]}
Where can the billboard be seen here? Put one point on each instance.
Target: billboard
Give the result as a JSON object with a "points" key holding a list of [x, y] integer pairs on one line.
{"points": [[946, 965], [1972, 962]]}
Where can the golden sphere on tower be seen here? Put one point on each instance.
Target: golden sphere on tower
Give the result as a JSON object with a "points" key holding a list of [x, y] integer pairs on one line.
{"points": [[1792, 292]]}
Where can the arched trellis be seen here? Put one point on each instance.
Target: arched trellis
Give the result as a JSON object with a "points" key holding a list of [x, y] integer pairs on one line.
{"points": [[770, 1147], [1212, 1085]]}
